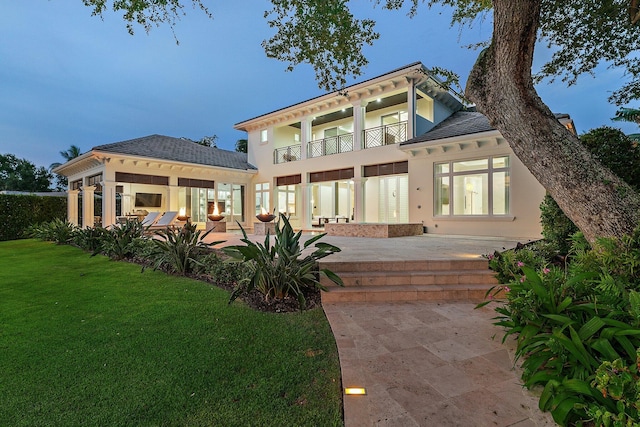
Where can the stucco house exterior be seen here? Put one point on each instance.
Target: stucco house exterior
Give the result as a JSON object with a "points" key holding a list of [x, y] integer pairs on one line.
{"points": [[156, 173], [398, 148]]}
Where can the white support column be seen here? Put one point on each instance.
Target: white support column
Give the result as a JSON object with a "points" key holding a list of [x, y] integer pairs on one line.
{"points": [[72, 206], [87, 206], [411, 109], [173, 193], [307, 209], [108, 203], [359, 113], [358, 195], [305, 136]]}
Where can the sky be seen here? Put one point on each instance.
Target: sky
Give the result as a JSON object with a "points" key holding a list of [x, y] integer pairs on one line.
{"points": [[69, 78]]}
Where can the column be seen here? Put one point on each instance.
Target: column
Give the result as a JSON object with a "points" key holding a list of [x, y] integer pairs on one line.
{"points": [[72, 206], [305, 195], [358, 195], [108, 203], [305, 136], [87, 206], [411, 109], [359, 113]]}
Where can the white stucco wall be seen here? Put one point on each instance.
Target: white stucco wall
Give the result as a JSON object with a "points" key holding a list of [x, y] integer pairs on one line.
{"points": [[526, 194]]}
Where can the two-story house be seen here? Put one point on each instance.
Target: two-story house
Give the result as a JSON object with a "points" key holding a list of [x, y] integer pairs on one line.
{"points": [[397, 148]]}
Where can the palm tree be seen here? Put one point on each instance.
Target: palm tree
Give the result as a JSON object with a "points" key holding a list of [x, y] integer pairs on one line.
{"points": [[70, 154], [241, 145], [627, 115]]}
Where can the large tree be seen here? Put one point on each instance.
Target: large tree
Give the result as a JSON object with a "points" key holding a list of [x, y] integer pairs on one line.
{"points": [[22, 175], [325, 34]]}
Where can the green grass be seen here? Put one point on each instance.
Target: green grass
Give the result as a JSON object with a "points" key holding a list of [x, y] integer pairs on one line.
{"points": [[89, 341]]}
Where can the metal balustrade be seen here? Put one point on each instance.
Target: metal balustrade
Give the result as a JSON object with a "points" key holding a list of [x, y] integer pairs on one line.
{"points": [[373, 137], [331, 145], [385, 135], [287, 154]]}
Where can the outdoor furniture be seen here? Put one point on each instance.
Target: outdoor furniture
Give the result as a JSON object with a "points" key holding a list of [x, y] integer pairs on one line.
{"points": [[166, 221], [326, 220], [150, 219]]}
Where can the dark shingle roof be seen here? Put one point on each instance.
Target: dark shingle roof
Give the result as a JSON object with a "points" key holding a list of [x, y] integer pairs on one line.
{"points": [[457, 124], [179, 150]]}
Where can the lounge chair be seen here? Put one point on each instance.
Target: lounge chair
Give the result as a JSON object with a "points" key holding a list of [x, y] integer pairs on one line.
{"points": [[150, 219], [166, 221]]}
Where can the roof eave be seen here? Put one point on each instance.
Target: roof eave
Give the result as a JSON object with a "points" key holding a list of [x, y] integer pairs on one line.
{"points": [[242, 126], [452, 140]]}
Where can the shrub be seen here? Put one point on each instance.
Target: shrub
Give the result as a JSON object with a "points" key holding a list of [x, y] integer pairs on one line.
{"points": [[123, 241], [557, 228], [572, 323], [89, 239], [614, 150], [58, 231], [19, 212], [280, 271], [220, 272], [179, 251]]}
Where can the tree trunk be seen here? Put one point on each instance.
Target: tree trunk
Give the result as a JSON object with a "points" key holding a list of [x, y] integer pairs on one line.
{"points": [[597, 201]]}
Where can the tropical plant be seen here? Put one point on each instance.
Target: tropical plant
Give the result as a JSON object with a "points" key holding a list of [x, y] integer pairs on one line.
{"points": [[620, 382], [89, 239], [57, 230], [180, 251], [121, 242], [627, 115], [280, 270], [70, 154], [572, 322]]}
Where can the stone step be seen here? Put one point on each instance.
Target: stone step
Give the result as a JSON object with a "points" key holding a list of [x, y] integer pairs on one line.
{"points": [[430, 280], [467, 292], [422, 265], [398, 278]]}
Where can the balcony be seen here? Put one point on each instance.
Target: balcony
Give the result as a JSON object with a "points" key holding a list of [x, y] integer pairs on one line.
{"points": [[385, 135], [373, 137], [331, 145], [287, 154]]}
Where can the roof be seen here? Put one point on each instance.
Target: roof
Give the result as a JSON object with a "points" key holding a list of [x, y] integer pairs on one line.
{"points": [[179, 150], [458, 124], [417, 68]]}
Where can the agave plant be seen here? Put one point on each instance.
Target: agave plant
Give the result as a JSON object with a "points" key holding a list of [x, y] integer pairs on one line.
{"points": [[280, 270], [179, 251]]}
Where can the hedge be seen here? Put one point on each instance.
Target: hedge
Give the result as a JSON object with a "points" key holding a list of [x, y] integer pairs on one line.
{"points": [[18, 212]]}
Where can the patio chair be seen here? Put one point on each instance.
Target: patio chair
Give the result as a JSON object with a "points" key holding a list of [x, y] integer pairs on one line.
{"points": [[166, 221], [150, 219]]}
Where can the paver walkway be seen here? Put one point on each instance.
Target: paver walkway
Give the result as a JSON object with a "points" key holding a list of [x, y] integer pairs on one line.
{"points": [[424, 363], [428, 364]]}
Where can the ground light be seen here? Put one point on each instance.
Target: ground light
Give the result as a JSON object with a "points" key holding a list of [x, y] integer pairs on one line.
{"points": [[355, 390]]}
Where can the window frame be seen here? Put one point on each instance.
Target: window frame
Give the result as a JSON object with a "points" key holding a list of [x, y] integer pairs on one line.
{"points": [[490, 171]]}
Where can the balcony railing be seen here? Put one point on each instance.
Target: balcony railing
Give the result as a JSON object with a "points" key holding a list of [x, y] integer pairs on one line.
{"points": [[373, 137], [287, 154], [385, 135], [331, 145]]}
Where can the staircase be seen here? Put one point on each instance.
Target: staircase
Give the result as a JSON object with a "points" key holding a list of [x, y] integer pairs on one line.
{"points": [[383, 281]]}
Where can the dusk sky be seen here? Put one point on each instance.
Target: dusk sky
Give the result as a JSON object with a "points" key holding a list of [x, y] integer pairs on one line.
{"points": [[67, 77]]}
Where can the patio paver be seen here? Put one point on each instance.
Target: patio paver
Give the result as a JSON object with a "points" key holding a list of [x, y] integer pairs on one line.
{"points": [[424, 363]]}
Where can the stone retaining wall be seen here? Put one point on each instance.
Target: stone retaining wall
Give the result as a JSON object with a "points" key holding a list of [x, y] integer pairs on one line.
{"points": [[373, 230]]}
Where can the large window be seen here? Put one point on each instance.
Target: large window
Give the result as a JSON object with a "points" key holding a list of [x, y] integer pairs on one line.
{"points": [[472, 187], [287, 199], [262, 198]]}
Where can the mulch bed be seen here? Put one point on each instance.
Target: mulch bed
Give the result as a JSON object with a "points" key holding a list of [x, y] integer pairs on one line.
{"points": [[256, 300]]}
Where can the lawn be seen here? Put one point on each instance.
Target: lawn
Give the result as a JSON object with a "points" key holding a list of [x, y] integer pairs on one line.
{"points": [[89, 341]]}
